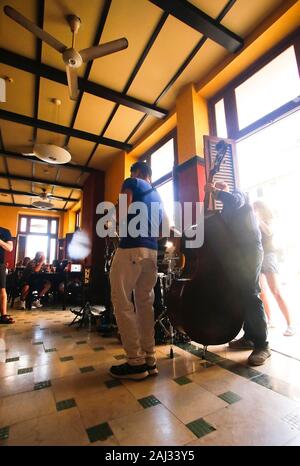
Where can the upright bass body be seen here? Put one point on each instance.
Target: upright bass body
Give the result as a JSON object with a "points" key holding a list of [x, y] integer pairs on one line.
{"points": [[207, 302]]}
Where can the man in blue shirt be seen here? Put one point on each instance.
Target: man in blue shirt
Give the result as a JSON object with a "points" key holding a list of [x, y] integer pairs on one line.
{"points": [[241, 219], [134, 273]]}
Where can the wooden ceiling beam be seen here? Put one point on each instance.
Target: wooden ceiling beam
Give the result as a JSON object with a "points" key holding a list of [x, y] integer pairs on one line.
{"points": [[48, 126], [48, 72], [35, 160], [25, 206], [24, 193], [40, 181], [201, 22]]}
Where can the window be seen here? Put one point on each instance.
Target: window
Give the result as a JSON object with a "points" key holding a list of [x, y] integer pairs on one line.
{"points": [[221, 119], [162, 159], [38, 225], [39, 234], [269, 169], [271, 87], [166, 192], [78, 218], [264, 93], [23, 224]]}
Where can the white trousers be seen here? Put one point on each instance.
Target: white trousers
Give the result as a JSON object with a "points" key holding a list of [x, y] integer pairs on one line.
{"points": [[134, 272]]}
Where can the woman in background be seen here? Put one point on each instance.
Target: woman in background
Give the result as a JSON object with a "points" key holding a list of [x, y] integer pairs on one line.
{"points": [[269, 270]]}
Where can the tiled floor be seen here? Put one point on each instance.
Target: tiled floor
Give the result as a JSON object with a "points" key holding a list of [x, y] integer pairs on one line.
{"points": [[55, 390]]}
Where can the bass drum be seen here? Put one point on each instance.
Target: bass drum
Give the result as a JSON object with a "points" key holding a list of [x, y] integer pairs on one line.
{"points": [[207, 301]]}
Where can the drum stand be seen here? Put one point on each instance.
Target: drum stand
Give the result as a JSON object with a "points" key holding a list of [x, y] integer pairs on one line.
{"points": [[87, 315], [163, 320]]}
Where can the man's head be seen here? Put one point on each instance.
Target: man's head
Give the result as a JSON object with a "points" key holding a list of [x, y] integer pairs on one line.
{"points": [[141, 170]]}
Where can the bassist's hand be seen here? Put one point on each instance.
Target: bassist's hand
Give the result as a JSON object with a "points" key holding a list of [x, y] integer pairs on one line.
{"points": [[209, 187]]}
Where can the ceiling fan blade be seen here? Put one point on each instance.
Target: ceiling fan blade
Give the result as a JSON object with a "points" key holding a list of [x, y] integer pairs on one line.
{"points": [[72, 82], [100, 50], [53, 198], [30, 26], [32, 194]]}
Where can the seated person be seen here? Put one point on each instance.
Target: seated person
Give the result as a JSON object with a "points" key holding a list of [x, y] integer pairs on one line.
{"points": [[46, 268], [23, 262], [74, 283], [27, 281], [55, 266]]}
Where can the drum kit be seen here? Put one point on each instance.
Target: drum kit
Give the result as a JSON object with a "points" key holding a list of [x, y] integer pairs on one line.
{"points": [[170, 263]]}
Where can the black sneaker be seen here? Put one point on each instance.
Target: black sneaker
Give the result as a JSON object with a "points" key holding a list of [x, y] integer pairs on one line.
{"points": [[127, 371], [152, 369], [241, 344], [259, 357]]}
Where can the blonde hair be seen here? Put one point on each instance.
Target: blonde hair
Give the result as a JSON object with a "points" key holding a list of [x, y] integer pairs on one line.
{"points": [[264, 211]]}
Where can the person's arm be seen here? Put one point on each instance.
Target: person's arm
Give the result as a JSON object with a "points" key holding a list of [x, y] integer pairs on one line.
{"points": [[39, 265], [231, 201], [6, 245], [266, 228]]}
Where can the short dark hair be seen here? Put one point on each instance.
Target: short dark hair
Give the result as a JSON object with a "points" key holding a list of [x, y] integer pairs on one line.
{"points": [[144, 168]]}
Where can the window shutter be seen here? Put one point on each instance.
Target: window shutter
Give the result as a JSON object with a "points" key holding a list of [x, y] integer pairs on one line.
{"points": [[228, 170]]}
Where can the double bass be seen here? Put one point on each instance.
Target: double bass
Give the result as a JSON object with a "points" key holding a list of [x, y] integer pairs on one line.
{"points": [[206, 302]]}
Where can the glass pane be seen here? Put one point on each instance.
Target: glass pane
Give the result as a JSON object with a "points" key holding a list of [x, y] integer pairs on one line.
{"points": [[36, 243], [38, 225], [221, 119], [52, 250], [53, 226], [167, 196], [271, 87], [270, 153], [162, 160], [78, 216], [269, 167], [23, 224]]}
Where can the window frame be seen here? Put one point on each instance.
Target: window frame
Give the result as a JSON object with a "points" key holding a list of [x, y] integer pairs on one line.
{"points": [[171, 176], [147, 157], [228, 94], [78, 218], [48, 234]]}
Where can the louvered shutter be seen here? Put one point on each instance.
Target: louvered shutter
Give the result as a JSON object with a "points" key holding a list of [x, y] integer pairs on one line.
{"points": [[228, 170]]}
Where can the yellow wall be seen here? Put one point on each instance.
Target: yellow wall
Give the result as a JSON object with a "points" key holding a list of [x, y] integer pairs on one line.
{"points": [[9, 217], [192, 123], [116, 173], [114, 176], [69, 219]]}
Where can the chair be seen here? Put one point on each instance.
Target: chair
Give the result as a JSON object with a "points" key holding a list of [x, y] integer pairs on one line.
{"points": [[14, 285]]}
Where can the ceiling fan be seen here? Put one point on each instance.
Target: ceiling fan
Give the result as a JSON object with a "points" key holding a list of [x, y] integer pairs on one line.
{"points": [[45, 199], [49, 153], [71, 57]]}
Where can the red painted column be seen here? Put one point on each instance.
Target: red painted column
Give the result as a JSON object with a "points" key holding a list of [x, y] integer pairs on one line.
{"points": [[190, 180], [93, 193]]}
